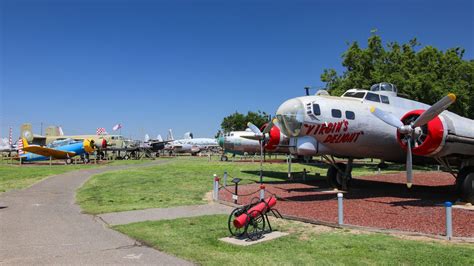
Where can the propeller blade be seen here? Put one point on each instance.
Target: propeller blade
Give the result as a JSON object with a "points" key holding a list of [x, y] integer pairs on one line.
{"points": [[254, 128], [409, 165], [268, 128], [435, 110], [386, 117]]}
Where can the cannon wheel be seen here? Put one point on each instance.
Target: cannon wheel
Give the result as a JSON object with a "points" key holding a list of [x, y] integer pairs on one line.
{"points": [[256, 227], [237, 232]]}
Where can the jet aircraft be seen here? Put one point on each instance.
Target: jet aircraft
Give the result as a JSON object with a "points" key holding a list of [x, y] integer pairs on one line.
{"points": [[61, 149], [378, 123]]}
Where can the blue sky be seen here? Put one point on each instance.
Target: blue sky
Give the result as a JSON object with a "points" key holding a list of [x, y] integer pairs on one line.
{"points": [[154, 65]]}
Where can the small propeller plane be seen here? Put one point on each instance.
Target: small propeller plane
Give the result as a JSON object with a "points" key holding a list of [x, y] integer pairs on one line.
{"points": [[189, 144], [61, 149], [378, 123]]}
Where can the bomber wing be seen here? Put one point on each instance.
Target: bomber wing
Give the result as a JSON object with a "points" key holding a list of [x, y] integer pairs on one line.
{"points": [[48, 152]]}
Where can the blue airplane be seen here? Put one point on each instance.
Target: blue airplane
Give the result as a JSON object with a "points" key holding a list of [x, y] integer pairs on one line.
{"points": [[62, 149]]}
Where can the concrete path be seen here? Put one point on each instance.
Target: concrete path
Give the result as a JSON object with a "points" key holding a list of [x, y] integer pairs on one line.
{"points": [[43, 225], [163, 213]]}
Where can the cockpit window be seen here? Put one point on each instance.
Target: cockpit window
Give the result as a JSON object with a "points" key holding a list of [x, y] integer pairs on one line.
{"points": [[384, 99], [354, 94], [372, 97]]}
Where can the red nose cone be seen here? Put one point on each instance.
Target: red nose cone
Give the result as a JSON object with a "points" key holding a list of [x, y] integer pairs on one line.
{"points": [[274, 139], [104, 144]]}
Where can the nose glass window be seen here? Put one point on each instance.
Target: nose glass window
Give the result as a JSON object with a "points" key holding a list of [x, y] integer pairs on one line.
{"points": [[291, 117]]}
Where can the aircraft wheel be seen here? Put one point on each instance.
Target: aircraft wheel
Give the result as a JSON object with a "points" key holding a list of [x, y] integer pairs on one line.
{"points": [[86, 160], [126, 157], [461, 176], [334, 177], [68, 161], [467, 189], [224, 158]]}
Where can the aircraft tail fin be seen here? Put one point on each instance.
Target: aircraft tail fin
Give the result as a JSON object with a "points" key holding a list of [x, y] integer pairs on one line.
{"points": [[159, 138], [147, 138], [26, 131], [170, 135], [188, 135], [22, 143]]}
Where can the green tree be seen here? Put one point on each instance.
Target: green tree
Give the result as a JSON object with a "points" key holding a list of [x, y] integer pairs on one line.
{"points": [[424, 75], [238, 121]]}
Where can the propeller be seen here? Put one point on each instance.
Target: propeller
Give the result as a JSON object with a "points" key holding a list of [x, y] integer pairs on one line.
{"points": [[413, 131]]}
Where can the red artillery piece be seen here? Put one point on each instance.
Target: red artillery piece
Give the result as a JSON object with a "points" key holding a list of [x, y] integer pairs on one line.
{"points": [[250, 221]]}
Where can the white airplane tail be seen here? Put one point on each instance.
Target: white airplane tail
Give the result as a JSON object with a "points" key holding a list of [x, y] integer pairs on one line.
{"points": [[170, 135], [188, 135], [159, 138], [147, 138]]}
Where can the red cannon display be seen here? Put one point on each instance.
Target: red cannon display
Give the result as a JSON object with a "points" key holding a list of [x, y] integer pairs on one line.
{"points": [[251, 221], [261, 208]]}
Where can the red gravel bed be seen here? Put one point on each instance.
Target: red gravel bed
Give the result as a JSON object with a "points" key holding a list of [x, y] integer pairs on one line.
{"points": [[379, 201]]}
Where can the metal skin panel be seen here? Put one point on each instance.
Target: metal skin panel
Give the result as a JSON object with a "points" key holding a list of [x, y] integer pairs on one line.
{"points": [[366, 136]]}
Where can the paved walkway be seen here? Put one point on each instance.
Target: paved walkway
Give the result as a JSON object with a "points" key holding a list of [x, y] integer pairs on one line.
{"points": [[43, 225], [127, 217]]}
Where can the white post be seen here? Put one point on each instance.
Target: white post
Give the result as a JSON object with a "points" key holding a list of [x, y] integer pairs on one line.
{"points": [[449, 220], [262, 192], [340, 210], [289, 166], [225, 178], [216, 188]]}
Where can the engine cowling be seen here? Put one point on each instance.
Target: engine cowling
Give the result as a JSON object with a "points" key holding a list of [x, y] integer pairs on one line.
{"points": [[431, 139], [274, 138]]}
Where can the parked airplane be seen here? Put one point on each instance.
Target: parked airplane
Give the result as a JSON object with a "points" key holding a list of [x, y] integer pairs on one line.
{"points": [[54, 133], [380, 124], [60, 149], [189, 144], [249, 141]]}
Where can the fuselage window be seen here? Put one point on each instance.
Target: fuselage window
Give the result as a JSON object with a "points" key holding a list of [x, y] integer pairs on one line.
{"points": [[384, 99], [350, 115], [372, 97], [336, 113], [316, 109]]}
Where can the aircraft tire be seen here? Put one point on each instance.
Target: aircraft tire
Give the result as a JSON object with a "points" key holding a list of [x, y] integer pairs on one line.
{"points": [[86, 160], [334, 177], [461, 176], [68, 161], [224, 158], [126, 157], [467, 192]]}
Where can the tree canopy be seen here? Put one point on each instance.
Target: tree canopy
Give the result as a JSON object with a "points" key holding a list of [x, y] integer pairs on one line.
{"points": [[238, 121], [425, 74]]}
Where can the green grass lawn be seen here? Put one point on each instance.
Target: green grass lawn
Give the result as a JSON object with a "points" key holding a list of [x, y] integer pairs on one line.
{"points": [[19, 177], [196, 239], [182, 181]]}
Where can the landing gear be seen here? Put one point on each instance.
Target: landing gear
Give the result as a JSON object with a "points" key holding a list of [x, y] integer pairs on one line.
{"points": [[224, 158], [68, 161], [465, 184], [339, 175]]}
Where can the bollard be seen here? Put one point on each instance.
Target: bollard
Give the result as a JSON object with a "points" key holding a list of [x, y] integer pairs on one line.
{"points": [[449, 220], [225, 178], [304, 174], [378, 171], [262, 192], [216, 188], [439, 168], [340, 211]]}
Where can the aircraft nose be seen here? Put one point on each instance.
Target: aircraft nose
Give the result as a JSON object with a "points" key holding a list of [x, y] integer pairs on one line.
{"points": [[220, 141], [290, 115]]}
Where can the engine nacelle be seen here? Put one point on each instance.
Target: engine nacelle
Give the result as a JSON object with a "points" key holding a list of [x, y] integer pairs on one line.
{"points": [[432, 138]]}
